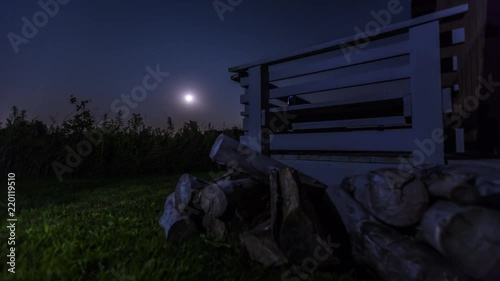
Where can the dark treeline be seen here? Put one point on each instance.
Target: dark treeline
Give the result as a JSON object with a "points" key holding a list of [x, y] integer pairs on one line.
{"points": [[85, 146]]}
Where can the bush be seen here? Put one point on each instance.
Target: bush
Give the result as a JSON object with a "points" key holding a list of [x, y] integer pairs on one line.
{"points": [[34, 149]]}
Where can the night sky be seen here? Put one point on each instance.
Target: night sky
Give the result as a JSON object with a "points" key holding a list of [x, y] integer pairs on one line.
{"points": [[99, 50]]}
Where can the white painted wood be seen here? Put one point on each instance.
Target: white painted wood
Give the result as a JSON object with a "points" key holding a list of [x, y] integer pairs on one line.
{"points": [[458, 36], [244, 97], [407, 106], [342, 157], [426, 86], [393, 28], [258, 100], [244, 124], [455, 63], [350, 81], [372, 97], [389, 51], [460, 140], [244, 82], [245, 112], [447, 101], [353, 123], [388, 140]]}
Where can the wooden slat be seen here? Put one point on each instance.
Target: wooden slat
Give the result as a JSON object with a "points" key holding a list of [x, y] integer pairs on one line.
{"points": [[447, 100], [387, 140], [459, 140], [383, 75], [258, 100], [245, 124], [390, 51], [322, 48], [368, 98], [245, 112], [353, 123], [426, 86], [458, 36], [244, 82], [407, 106], [244, 97], [455, 63]]}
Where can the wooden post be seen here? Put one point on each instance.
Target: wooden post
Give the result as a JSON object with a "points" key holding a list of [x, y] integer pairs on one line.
{"points": [[258, 100], [425, 62]]}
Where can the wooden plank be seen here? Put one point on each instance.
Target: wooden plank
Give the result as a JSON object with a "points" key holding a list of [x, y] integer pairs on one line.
{"points": [[258, 100], [336, 44], [458, 36], [407, 106], [245, 124], [245, 112], [383, 75], [426, 86], [459, 140], [244, 98], [244, 81], [455, 63], [388, 140], [393, 50], [447, 100], [353, 123], [368, 98], [370, 157]]}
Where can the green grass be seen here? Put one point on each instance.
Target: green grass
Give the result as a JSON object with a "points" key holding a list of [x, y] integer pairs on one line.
{"points": [[108, 230]]}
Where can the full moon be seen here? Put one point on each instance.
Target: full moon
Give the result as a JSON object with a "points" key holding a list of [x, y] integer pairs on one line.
{"points": [[189, 98]]}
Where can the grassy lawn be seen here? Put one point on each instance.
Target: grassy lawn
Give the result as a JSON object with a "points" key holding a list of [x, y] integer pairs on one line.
{"points": [[107, 229]]}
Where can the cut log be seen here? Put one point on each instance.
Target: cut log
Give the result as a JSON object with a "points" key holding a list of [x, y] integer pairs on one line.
{"points": [[227, 151], [393, 256], [254, 210], [473, 184], [468, 236], [220, 198], [455, 188], [398, 200], [178, 227], [262, 247], [275, 202], [186, 189], [486, 179], [299, 235], [215, 228]]}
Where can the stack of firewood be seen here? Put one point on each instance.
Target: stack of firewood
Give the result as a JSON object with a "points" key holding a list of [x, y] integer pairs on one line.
{"points": [[278, 213], [433, 223]]}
